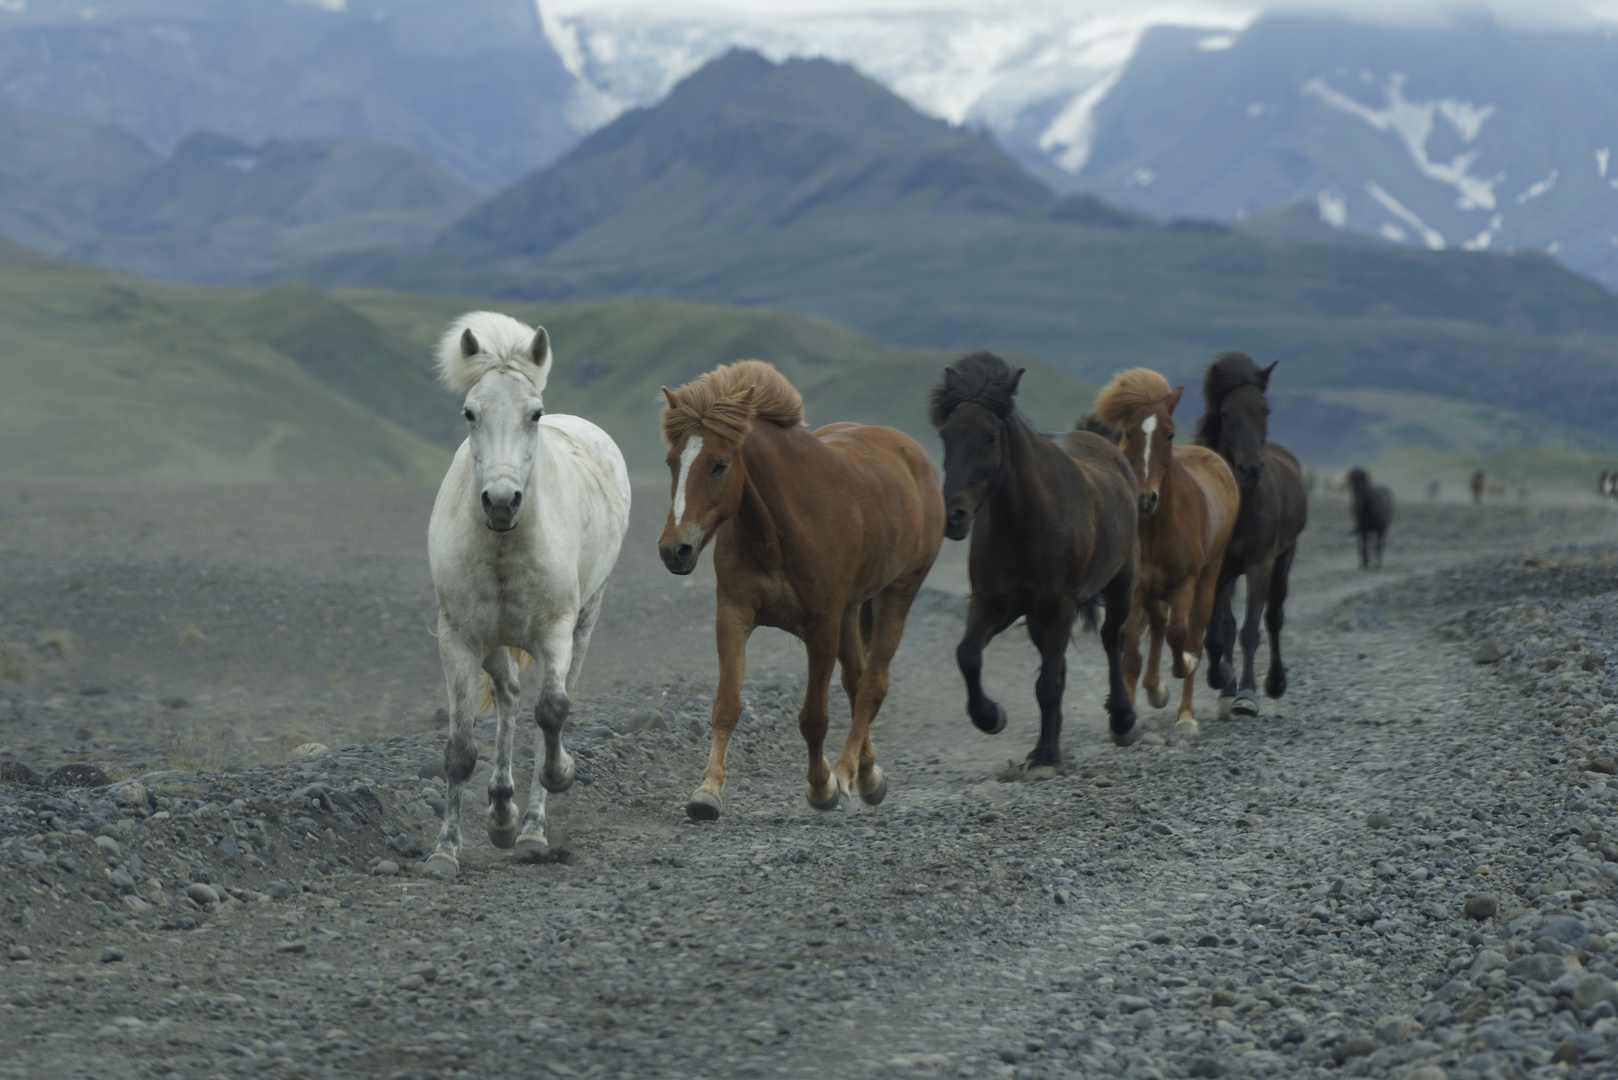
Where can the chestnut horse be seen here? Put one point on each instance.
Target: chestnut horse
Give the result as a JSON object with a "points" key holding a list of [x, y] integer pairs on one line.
{"points": [[1188, 502], [1264, 540], [826, 535], [1053, 534]]}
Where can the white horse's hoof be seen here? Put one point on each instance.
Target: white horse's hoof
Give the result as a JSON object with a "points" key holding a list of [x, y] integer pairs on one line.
{"points": [[533, 847], [703, 806], [874, 792], [561, 778], [441, 864], [1157, 696], [502, 836]]}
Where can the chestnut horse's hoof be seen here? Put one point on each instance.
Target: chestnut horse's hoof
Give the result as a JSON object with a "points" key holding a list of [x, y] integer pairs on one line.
{"points": [[1186, 729], [1245, 704], [1157, 695], [831, 800], [703, 806], [995, 726], [873, 794]]}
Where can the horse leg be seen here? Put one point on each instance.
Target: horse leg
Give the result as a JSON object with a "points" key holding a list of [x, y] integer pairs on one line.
{"points": [[1381, 535], [1051, 630], [1183, 661], [461, 666], [503, 688], [1119, 596], [1258, 586], [1220, 638], [582, 629], [856, 766], [732, 627], [1197, 623], [553, 767], [852, 656], [1156, 616], [1130, 658], [823, 643], [987, 715], [1275, 683]]}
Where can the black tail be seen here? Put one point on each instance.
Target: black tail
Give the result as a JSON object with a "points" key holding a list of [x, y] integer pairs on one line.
{"points": [[1090, 613]]}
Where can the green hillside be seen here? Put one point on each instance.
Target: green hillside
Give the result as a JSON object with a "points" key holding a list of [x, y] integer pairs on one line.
{"points": [[104, 375]]}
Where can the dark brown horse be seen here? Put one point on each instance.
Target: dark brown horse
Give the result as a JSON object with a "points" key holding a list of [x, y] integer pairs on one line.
{"points": [[1373, 513], [1264, 541], [1053, 533], [1188, 502], [826, 535]]}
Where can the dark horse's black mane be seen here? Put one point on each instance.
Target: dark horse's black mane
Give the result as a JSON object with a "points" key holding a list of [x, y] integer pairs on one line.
{"points": [[981, 378], [1230, 372]]}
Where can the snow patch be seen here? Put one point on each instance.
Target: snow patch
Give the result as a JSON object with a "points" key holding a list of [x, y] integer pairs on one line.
{"points": [[14, 7], [1537, 188], [1601, 162], [1141, 177], [1389, 231], [1412, 122], [1429, 236], [1216, 42], [1333, 209]]}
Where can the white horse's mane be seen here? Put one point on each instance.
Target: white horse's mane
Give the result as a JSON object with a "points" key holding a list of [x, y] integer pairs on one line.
{"points": [[502, 341]]}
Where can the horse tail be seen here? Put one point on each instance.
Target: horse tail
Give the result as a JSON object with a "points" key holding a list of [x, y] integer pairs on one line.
{"points": [[867, 621], [1090, 613], [485, 695]]}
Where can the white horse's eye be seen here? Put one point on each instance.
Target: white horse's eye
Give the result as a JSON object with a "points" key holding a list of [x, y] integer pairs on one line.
{"points": [[471, 417], [533, 417]]}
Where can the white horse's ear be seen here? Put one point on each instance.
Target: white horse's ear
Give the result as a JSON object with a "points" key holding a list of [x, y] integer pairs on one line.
{"points": [[469, 344], [541, 348]]}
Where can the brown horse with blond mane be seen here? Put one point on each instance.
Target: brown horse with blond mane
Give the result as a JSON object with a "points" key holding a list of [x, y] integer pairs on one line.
{"points": [[827, 535], [1188, 501]]}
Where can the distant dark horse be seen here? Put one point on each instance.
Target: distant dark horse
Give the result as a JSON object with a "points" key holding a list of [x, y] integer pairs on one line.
{"points": [[1373, 513], [1609, 485], [1053, 531], [1275, 508]]}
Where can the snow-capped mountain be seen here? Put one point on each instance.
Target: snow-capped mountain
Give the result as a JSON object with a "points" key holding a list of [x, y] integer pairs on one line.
{"points": [[1455, 135]]}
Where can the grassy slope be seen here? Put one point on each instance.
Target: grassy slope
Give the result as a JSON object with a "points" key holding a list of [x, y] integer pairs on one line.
{"points": [[103, 375]]}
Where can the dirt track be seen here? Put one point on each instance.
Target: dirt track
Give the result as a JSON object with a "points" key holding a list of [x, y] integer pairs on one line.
{"points": [[1154, 911]]}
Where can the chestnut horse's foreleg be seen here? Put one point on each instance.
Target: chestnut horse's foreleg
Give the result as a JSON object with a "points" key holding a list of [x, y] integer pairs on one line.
{"points": [[461, 666], [856, 765], [732, 627], [1182, 660], [981, 626], [554, 767], [1202, 605], [1050, 629], [822, 642], [1153, 611], [1119, 597], [1258, 587], [503, 689], [1275, 683]]}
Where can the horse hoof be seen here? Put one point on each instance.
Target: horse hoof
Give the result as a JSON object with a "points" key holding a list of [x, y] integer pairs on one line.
{"points": [[1275, 687], [996, 726], [1157, 695], [502, 836], [1245, 704], [1186, 729], [1129, 737], [1226, 703], [877, 791], [832, 801], [561, 779], [1040, 772], [703, 806], [533, 846], [441, 864]]}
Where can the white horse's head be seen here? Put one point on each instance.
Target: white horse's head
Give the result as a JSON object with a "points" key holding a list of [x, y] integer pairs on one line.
{"points": [[501, 366]]}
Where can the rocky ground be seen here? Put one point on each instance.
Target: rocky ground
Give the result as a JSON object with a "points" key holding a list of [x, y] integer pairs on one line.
{"points": [[1401, 870]]}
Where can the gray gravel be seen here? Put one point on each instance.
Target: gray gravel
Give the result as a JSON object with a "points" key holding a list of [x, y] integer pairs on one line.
{"points": [[1294, 896]]}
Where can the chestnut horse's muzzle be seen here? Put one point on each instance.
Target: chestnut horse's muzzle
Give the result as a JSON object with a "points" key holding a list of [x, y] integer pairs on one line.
{"points": [[680, 550], [1146, 502]]}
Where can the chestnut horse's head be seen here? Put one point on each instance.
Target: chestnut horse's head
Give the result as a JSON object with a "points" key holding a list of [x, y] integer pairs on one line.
{"points": [[1236, 418], [1140, 404], [706, 425], [972, 409]]}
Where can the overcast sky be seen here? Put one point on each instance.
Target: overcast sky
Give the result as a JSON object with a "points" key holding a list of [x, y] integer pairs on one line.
{"points": [[1531, 12]]}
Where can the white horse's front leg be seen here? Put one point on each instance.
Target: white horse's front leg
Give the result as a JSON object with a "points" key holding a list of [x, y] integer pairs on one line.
{"points": [[553, 767], [461, 665], [503, 688]]}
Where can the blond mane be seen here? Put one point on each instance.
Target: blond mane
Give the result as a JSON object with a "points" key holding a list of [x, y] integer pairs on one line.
{"points": [[725, 402], [1127, 392]]}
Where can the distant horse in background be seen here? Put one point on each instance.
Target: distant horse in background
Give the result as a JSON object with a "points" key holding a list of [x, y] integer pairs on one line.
{"points": [[1188, 502], [827, 535], [1053, 533], [524, 532], [1264, 540], [1373, 513], [1609, 485], [1478, 485]]}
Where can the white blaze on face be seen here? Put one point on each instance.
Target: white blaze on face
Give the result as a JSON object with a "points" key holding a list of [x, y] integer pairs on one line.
{"points": [[693, 447], [1147, 426]]}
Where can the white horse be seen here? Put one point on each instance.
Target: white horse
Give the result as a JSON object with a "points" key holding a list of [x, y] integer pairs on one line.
{"points": [[525, 530]]}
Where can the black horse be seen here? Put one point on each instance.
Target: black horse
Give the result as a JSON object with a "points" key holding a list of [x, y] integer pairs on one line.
{"points": [[1264, 541], [1373, 513], [1053, 534]]}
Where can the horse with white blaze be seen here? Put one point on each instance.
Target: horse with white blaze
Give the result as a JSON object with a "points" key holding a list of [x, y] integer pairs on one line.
{"points": [[525, 530]]}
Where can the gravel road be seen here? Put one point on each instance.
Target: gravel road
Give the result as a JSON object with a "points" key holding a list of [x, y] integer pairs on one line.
{"points": [[1404, 869]]}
